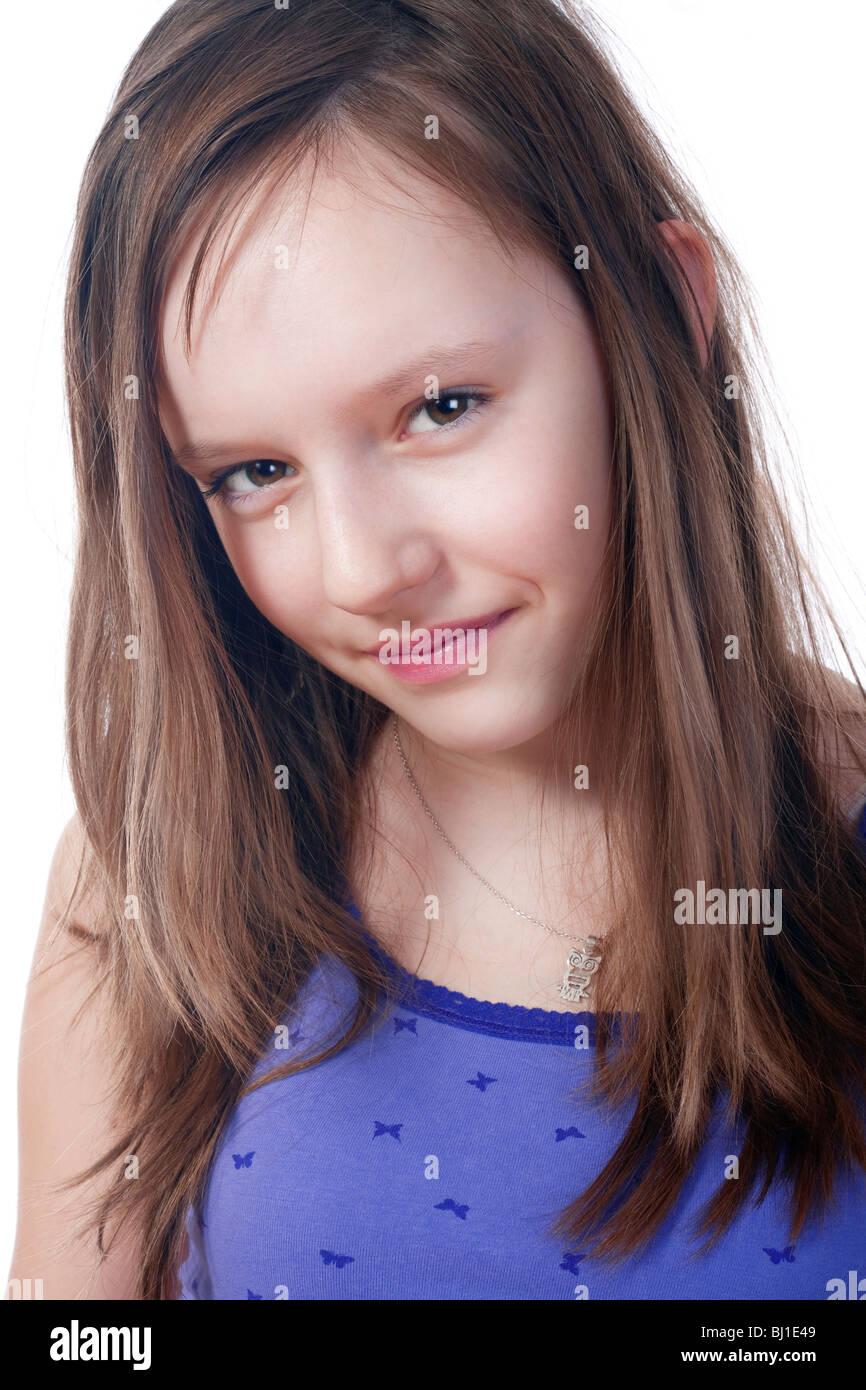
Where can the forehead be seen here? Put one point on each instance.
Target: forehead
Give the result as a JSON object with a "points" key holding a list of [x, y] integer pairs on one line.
{"points": [[343, 265]]}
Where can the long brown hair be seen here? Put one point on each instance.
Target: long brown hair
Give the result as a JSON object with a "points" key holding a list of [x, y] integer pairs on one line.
{"points": [[222, 883]]}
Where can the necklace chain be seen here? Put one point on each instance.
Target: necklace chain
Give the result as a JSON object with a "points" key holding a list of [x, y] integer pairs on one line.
{"points": [[552, 931]]}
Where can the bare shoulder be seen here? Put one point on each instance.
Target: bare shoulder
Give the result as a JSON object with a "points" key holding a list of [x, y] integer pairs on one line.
{"points": [[72, 892], [64, 1089]]}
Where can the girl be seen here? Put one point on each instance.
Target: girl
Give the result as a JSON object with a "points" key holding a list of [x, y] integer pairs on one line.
{"points": [[465, 897]]}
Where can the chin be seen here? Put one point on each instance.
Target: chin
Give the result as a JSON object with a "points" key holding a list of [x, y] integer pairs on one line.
{"points": [[483, 726]]}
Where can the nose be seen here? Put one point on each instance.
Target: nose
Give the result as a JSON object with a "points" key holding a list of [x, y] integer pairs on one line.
{"points": [[373, 541]]}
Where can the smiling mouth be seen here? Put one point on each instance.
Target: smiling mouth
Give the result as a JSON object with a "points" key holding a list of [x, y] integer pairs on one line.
{"points": [[487, 620], [465, 650]]}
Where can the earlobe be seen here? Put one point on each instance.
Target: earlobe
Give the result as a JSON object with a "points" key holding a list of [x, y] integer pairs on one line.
{"points": [[693, 256]]}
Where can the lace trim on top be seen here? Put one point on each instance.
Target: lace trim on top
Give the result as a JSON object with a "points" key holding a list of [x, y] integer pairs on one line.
{"points": [[481, 1015]]}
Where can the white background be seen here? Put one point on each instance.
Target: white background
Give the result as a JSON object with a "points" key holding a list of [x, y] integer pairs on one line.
{"points": [[761, 100]]}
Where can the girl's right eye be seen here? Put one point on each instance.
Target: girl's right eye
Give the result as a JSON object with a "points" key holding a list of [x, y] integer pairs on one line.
{"points": [[223, 491]]}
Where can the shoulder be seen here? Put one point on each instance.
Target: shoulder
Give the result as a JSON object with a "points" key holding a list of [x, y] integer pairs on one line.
{"points": [[66, 1089], [73, 901]]}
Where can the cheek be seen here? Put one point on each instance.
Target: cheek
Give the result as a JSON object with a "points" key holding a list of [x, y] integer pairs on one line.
{"points": [[529, 511], [275, 573]]}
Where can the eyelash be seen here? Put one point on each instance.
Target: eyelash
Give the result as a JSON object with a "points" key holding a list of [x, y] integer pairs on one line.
{"points": [[217, 491]]}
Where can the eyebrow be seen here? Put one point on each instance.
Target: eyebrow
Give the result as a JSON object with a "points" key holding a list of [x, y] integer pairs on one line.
{"points": [[434, 362]]}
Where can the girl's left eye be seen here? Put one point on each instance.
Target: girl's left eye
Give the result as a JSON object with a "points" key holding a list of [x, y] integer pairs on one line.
{"points": [[446, 404]]}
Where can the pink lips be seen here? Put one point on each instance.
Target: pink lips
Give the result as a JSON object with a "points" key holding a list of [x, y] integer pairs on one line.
{"points": [[426, 673]]}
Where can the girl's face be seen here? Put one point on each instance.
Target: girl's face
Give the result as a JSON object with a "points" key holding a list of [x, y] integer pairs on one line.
{"points": [[364, 502]]}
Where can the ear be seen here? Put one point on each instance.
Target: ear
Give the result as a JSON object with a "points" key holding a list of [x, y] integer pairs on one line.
{"points": [[693, 256]]}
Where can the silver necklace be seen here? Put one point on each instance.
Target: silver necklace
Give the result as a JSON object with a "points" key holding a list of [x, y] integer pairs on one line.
{"points": [[581, 965]]}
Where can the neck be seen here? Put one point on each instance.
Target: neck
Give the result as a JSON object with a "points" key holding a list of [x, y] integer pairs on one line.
{"points": [[517, 777], [515, 813], [516, 817]]}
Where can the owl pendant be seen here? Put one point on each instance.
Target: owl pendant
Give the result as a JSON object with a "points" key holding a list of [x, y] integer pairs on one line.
{"points": [[579, 971]]}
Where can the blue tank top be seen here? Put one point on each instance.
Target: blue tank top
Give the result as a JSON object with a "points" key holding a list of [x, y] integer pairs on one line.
{"points": [[425, 1161]]}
